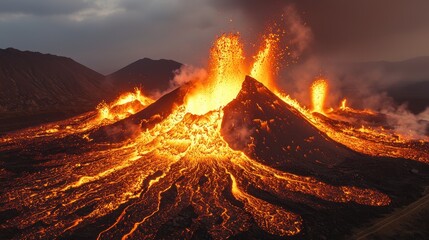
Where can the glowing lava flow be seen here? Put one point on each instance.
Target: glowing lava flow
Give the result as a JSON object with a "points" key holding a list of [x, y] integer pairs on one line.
{"points": [[125, 105], [181, 162], [186, 153]]}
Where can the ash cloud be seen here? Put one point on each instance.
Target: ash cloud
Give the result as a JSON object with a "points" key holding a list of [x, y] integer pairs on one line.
{"points": [[42, 7]]}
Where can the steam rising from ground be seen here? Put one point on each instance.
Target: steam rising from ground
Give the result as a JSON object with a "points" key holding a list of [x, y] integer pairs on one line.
{"points": [[415, 126]]}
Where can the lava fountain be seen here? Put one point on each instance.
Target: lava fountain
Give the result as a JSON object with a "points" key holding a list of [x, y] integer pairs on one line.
{"points": [[263, 67], [319, 89], [225, 76]]}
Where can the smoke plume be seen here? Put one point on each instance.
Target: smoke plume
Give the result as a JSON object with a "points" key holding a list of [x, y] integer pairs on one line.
{"points": [[185, 74]]}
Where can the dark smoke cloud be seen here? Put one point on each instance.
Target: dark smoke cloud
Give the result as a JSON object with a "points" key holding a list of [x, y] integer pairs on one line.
{"points": [[43, 7], [107, 34]]}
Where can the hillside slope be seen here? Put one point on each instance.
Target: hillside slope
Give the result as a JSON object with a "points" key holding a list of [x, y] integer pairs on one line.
{"points": [[45, 86]]}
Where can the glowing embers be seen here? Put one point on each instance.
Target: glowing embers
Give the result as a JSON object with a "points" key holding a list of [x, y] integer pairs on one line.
{"points": [[124, 106], [319, 90], [227, 70], [226, 74]]}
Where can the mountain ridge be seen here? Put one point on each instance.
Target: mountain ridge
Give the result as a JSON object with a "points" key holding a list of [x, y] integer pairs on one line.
{"points": [[40, 87], [153, 75]]}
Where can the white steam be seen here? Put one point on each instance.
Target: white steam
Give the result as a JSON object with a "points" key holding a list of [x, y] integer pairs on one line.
{"points": [[411, 125], [187, 74], [183, 76]]}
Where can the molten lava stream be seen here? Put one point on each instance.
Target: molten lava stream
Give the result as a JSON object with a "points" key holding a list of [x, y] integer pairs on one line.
{"points": [[125, 105], [364, 140]]}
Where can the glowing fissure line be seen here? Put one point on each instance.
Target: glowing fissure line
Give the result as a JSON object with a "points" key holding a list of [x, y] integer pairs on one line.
{"points": [[87, 179], [350, 193], [151, 182], [290, 223], [76, 222], [137, 224]]}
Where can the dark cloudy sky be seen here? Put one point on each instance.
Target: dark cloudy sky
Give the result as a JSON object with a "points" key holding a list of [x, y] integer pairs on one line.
{"points": [[108, 34]]}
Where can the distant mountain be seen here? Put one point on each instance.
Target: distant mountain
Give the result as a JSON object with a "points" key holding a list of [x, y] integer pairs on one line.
{"points": [[33, 83], [153, 75], [37, 87], [411, 83]]}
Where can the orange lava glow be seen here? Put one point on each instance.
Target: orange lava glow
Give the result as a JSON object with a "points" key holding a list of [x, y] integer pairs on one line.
{"points": [[319, 89], [226, 74], [344, 105], [263, 68], [184, 148], [124, 106], [181, 161]]}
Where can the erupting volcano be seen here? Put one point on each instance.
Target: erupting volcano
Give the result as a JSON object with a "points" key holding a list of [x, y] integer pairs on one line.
{"points": [[227, 156]]}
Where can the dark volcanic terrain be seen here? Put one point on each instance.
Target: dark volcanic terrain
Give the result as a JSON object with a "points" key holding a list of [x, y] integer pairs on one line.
{"points": [[36, 87]]}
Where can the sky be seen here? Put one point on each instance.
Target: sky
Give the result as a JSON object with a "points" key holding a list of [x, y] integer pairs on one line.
{"points": [[106, 35]]}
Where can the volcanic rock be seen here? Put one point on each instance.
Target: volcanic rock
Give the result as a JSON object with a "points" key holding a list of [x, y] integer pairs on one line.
{"points": [[266, 128], [33, 83], [152, 75]]}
